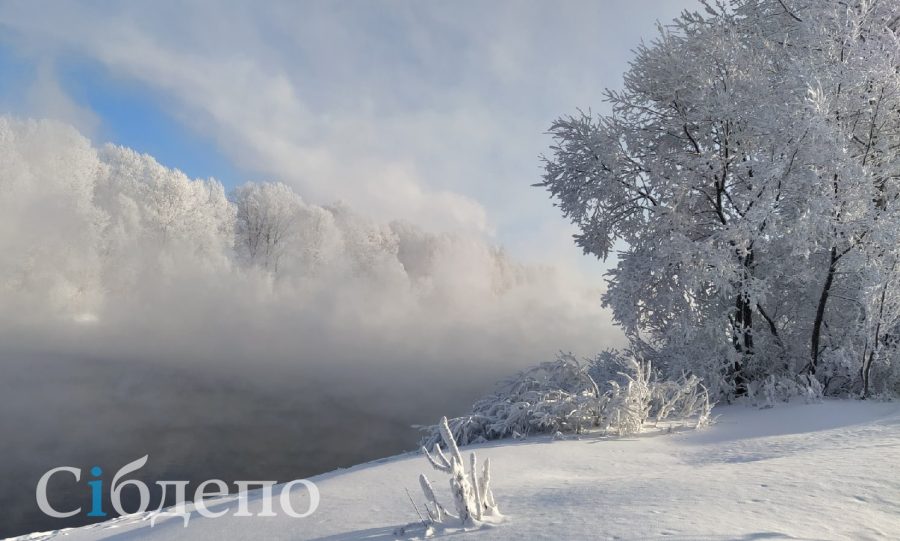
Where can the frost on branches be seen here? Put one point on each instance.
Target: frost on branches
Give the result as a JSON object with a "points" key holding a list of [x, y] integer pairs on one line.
{"points": [[562, 397], [473, 499], [471, 490], [749, 169]]}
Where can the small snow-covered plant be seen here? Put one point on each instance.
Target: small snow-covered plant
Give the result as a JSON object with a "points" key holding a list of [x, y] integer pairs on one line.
{"points": [[681, 399], [704, 413], [472, 495], [640, 394], [629, 405], [644, 396]]}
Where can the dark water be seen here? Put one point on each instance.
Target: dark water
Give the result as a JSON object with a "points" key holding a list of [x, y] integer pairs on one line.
{"points": [[195, 424]]}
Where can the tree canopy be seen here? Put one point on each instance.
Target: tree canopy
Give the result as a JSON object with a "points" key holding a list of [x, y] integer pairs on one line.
{"points": [[748, 169]]}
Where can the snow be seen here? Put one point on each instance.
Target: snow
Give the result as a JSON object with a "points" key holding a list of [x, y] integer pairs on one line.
{"points": [[798, 471]]}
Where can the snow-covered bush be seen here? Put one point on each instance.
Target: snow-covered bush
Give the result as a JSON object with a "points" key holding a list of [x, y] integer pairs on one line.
{"points": [[561, 396], [629, 405], [555, 396], [773, 389]]}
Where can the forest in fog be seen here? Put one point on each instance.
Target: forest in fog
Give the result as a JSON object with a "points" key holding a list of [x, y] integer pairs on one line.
{"points": [[108, 244]]}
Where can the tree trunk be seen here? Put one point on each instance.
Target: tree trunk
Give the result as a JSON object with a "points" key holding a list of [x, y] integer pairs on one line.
{"points": [[867, 367], [820, 314], [742, 332], [867, 363], [742, 338]]}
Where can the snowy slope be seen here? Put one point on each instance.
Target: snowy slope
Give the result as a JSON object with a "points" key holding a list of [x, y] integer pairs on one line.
{"points": [[819, 471]]}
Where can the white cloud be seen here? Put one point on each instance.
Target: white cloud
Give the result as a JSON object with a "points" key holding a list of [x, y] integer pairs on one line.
{"points": [[428, 112], [45, 98], [347, 101]]}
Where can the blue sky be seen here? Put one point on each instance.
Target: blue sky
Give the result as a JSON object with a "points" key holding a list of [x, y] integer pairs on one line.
{"points": [[430, 112], [129, 114], [132, 116]]}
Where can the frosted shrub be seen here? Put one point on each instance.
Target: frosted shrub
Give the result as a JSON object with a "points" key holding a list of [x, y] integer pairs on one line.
{"points": [[562, 397], [644, 396], [629, 405], [681, 399], [556, 396], [772, 390]]}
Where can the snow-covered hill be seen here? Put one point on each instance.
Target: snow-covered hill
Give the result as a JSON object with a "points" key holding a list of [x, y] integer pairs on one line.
{"points": [[818, 471]]}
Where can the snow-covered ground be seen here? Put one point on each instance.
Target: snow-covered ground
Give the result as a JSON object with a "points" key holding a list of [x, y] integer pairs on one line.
{"points": [[817, 471]]}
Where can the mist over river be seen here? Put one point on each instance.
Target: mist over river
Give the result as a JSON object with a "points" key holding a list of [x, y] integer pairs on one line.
{"points": [[195, 423]]}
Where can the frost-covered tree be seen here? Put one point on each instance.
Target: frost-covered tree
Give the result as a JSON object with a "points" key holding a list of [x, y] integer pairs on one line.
{"points": [[48, 170], [161, 224], [267, 216], [749, 170]]}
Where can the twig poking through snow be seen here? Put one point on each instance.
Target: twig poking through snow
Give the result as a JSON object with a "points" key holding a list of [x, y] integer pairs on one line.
{"points": [[472, 495]]}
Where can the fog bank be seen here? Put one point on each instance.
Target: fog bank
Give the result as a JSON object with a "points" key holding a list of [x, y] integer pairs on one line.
{"points": [[145, 312]]}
